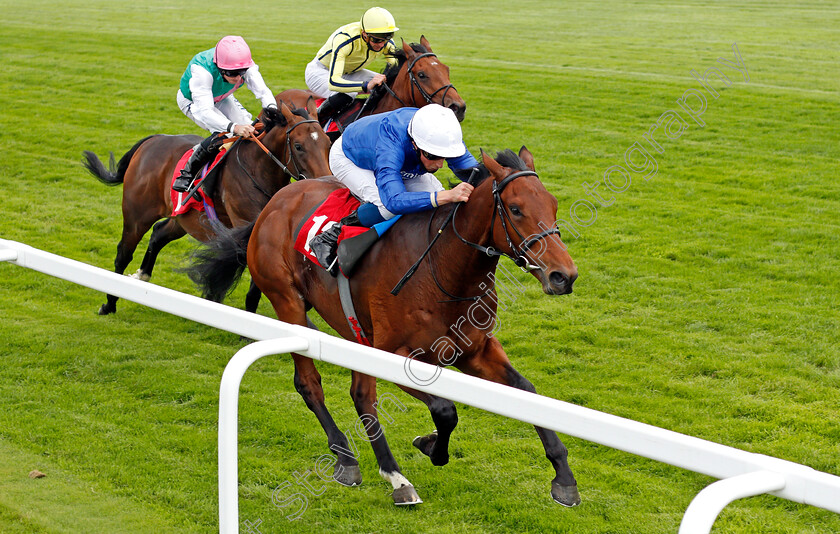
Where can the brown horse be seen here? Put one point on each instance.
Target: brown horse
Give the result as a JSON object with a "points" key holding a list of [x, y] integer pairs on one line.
{"points": [[418, 78], [509, 213], [247, 180]]}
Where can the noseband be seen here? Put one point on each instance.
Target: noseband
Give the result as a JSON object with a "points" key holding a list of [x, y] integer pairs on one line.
{"points": [[519, 252]]}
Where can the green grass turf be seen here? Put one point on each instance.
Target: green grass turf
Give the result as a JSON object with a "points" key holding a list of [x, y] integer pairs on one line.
{"points": [[707, 301]]}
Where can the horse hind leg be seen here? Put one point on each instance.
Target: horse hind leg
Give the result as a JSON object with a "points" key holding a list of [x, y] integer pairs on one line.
{"points": [[252, 298], [363, 391], [163, 233], [125, 253]]}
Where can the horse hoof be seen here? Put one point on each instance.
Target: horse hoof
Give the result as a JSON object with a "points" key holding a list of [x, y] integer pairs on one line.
{"points": [[565, 495], [425, 443], [106, 310], [406, 495], [347, 475], [140, 275]]}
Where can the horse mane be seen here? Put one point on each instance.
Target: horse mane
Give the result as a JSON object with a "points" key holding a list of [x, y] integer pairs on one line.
{"points": [[506, 158], [391, 71], [272, 117]]}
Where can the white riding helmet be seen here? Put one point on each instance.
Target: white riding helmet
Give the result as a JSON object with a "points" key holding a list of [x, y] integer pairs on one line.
{"points": [[436, 130], [377, 20]]}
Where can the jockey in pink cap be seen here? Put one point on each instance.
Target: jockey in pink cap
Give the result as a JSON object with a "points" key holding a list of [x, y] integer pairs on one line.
{"points": [[206, 97]]}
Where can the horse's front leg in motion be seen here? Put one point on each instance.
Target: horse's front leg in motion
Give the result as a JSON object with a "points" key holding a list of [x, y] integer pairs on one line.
{"points": [[493, 364], [308, 384], [363, 391], [445, 417]]}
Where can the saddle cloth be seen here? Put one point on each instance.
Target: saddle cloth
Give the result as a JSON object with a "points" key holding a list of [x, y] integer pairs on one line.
{"points": [[347, 116], [179, 203], [337, 205]]}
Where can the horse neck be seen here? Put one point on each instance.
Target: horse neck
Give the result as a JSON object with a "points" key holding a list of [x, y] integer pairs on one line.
{"points": [[267, 173], [466, 268], [402, 88], [252, 185]]}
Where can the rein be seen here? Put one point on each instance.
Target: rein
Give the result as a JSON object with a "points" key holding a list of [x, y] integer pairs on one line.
{"points": [[414, 83], [290, 160], [519, 252]]}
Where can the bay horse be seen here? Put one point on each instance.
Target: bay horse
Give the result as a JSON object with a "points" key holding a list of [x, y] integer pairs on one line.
{"points": [[418, 78], [510, 213], [247, 180]]}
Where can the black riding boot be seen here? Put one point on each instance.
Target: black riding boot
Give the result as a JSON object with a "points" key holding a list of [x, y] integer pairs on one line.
{"points": [[325, 244], [203, 153], [333, 105]]}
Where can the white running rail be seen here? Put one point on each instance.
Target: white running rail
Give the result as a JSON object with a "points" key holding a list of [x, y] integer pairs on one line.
{"points": [[742, 474]]}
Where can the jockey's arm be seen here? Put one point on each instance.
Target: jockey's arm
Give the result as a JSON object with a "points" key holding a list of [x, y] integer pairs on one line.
{"points": [[389, 162], [341, 48], [390, 49], [204, 108], [462, 166], [254, 81]]}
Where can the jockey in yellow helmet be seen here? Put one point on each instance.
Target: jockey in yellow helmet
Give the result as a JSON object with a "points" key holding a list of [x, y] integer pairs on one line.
{"points": [[337, 72]]}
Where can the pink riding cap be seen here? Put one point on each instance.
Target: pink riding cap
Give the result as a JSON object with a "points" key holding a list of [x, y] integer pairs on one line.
{"points": [[232, 53]]}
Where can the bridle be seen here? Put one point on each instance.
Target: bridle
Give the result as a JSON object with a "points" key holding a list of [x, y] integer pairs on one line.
{"points": [[291, 159], [414, 83], [519, 252]]}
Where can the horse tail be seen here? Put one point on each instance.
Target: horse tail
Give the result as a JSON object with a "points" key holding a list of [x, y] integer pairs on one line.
{"points": [[115, 173], [218, 265]]}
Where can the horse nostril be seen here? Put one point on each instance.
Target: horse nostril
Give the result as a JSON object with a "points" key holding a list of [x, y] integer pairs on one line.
{"points": [[561, 281], [557, 278], [460, 111]]}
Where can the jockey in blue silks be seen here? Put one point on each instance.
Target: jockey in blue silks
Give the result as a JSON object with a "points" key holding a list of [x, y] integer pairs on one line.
{"points": [[388, 161]]}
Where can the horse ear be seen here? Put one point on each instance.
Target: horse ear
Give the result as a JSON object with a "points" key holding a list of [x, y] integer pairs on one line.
{"points": [[492, 165], [425, 42], [284, 109], [311, 108], [409, 52], [527, 157]]}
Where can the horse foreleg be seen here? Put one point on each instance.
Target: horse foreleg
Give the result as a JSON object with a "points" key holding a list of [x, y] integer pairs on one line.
{"points": [[163, 233], [493, 364], [363, 391], [308, 384], [290, 308], [445, 418]]}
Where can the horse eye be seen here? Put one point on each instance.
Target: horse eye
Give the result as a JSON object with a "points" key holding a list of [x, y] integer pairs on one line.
{"points": [[516, 211], [421, 75], [298, 147]]}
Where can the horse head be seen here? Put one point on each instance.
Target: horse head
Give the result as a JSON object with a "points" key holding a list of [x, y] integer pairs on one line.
{"points": [[523, 224], [419, 78], [296, 138]]}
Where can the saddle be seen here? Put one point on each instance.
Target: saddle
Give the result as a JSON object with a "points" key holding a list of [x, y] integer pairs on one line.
{"points": [[353, 241], [334, 125], [209, 173]]}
